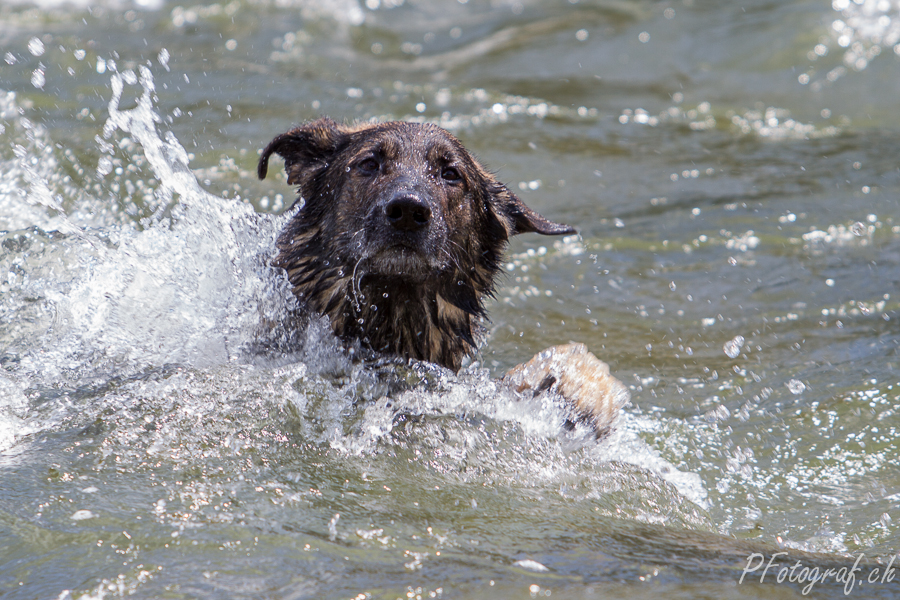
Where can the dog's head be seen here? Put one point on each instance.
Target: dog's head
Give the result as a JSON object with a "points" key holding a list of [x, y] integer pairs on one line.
{"points": [[400, 234], [400, 199]]}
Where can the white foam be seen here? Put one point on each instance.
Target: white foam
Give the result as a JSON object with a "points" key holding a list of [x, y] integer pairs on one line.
{"points": [[13, 406], [191, 288], [538, 423]]}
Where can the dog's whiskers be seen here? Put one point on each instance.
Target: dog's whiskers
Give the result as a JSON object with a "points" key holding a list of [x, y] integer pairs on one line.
{"points": [[353, 236], [355, 287], [452, 258]]}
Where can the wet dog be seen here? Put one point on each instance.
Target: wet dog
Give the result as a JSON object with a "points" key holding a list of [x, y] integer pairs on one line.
{"points": [[398, 241]]}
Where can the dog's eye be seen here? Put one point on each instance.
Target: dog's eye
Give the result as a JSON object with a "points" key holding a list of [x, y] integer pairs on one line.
{"points": [[451, 175], [368, 166]]}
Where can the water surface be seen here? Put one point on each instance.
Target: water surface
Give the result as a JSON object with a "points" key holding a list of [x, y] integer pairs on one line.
{"points": [[732, 170]]}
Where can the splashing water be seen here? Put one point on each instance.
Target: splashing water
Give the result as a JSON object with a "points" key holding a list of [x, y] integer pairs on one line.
{"points": [[191, 290], [188, 289], [166, 432]]}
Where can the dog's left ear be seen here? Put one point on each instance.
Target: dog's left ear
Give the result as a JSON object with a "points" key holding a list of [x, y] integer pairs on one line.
{"points": [[521, 219], [306, 150]]}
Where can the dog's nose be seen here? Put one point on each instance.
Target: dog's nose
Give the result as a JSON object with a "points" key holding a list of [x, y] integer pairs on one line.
{"points": [[407, 213]]}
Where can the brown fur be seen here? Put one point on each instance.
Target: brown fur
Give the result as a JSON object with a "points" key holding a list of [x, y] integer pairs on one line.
{"points": [[398, 240], [409, 282]]}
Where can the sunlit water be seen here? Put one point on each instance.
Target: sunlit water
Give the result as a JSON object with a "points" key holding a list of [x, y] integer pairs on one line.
{"points": [[732, 170]]}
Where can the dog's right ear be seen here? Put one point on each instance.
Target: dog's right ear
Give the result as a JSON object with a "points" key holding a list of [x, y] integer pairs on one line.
{"points": [[518, 218], [306, 150]]}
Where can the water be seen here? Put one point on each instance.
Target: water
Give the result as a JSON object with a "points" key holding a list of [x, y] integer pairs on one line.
{"points": [[732, 171]]}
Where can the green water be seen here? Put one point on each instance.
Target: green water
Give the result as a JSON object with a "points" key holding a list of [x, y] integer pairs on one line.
{"points": [[732, 169]]}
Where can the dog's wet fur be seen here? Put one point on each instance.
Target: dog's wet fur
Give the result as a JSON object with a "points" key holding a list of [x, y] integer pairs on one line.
{"points": [[398, 241], [400, 234]]}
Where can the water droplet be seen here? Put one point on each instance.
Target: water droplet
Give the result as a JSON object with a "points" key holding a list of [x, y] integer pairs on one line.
{"points": [[104, 166], [80, 54], [35, 46], [796, 386], [672, 286], [374, 308], [10, 58], [858, 228], [732, 348], [361, 321], [385, 295], [37, 78]]}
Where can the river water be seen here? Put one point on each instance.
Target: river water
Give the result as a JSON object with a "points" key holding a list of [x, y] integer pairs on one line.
{"points": [[732, 169]]}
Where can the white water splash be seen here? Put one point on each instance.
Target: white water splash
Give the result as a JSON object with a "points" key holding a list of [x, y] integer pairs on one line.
{"points": [[191, 288], [542, 448]]}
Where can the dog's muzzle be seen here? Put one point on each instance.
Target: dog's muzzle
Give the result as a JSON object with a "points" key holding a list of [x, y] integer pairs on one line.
{"points": [[405, 235]]}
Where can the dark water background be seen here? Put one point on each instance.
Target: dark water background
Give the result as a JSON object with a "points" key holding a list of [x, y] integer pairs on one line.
{"points": [[732, 168]]}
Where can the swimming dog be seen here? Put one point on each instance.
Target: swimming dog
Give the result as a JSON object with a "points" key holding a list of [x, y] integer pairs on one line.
{"points": [[398, 240]]}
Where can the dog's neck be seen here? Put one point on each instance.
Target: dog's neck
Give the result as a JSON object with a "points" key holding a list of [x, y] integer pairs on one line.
{"points": [[412, 320], [436, 320]]}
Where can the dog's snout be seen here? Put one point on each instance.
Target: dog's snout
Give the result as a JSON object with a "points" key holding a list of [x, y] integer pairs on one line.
{"points": [[407, 213]]}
